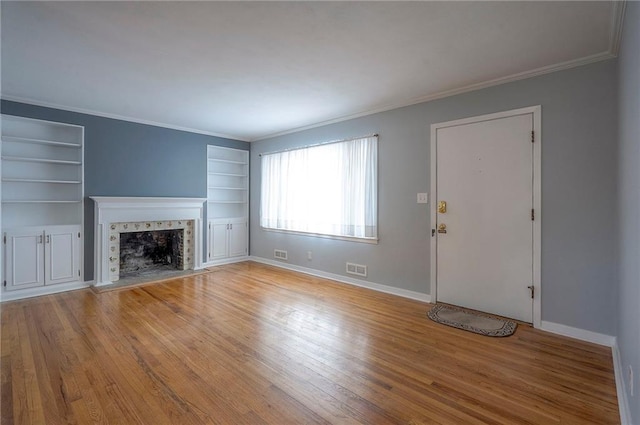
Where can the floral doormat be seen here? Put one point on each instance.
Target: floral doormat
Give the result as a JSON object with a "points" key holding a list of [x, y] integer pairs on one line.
{"points": [[472, 321]]}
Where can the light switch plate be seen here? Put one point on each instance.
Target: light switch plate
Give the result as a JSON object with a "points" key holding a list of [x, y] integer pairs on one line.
{"points": [[423, 198]]}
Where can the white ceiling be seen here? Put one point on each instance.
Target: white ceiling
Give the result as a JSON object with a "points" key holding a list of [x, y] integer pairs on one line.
{"points": [[248, 70]]}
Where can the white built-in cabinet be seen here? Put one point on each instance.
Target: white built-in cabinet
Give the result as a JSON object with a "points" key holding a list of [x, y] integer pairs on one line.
{"points": [[42, 202], [42, 256], [227, 238], [227, 204]]}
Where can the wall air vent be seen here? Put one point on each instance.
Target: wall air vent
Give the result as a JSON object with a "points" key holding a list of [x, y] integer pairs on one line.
{"points": [[279, 254], [357, 269]]}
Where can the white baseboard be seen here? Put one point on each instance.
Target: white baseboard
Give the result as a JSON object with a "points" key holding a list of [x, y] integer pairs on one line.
{"points": [[42, 290], [621, 387], [344, 279], [581, 334]]}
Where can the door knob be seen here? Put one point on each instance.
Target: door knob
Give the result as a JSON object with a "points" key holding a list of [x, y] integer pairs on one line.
{"points": [[442, 207], [442, 228]]}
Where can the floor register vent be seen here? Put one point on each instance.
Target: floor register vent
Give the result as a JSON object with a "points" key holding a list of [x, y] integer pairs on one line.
{"points": [[357, 269], [279, 254]]}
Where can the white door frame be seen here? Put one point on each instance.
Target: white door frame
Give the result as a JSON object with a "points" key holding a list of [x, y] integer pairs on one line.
{"points": [[537, 197]]}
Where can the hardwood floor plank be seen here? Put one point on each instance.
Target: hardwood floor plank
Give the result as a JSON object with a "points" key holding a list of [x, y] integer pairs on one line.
{"points": [[252, 344], [30, 391]]}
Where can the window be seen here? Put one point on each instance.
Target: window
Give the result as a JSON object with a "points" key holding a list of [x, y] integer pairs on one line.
{"points": [[329, 189]]}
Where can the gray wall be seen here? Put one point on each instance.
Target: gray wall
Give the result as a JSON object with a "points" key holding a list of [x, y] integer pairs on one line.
{"points": [[628, 331], [123, 158], [579, 190]]}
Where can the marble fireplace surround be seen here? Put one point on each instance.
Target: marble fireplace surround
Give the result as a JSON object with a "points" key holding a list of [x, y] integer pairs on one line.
{"points": [[117, 211]]}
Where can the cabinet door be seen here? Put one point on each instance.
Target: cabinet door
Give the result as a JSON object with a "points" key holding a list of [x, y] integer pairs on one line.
{"points": [[24, 259], [62, 256], [237, 238], [217, 239]]}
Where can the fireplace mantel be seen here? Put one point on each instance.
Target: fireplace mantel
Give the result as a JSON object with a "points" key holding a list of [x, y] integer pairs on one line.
{"points": [[131, 209]]}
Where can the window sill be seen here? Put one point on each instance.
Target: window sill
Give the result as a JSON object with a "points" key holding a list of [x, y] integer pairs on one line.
{"points": [[372, 241]]}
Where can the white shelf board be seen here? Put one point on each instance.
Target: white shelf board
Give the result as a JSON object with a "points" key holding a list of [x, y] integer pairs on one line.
{"points": [[226, 188], [36, 201], [40, 142], [6, 179], [227, 202], [48, 161], [228, 161], [227, 174]]}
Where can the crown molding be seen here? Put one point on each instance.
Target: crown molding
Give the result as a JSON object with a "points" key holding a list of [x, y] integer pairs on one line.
{"points": [[119, 117], [448, 93]]}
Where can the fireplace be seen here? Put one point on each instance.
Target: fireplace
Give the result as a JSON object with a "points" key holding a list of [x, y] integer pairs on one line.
{"points": [[141, 252], [146, 235], [148, 246]]}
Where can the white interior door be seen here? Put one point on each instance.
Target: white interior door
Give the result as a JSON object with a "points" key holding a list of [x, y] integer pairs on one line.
{"points": [[485, 238]]}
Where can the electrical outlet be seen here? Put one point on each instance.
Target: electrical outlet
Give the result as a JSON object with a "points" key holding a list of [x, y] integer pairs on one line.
{"points": [[423, 198], [630, 378]]}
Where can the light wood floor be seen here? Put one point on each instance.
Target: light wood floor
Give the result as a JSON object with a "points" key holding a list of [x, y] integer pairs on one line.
{"points": [[252, 344]]}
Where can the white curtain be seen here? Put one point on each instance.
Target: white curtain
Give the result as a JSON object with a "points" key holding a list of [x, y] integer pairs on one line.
{"points": [[327, 189]]}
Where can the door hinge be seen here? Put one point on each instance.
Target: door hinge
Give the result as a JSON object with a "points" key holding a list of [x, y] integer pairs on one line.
{"points": [[533, 136], [5, 283], [4, 239], [532, 289], [78, 272], [533, 214], [78, 235]]}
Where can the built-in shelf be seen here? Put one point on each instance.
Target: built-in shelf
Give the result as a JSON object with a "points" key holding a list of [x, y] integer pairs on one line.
{"points": [[43, 160], [227, 203], [41, 181], [42, 204], [42, 173], [40, 142]]}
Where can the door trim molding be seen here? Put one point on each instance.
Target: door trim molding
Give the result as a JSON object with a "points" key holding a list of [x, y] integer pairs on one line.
{"points": [[536, 111]]}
